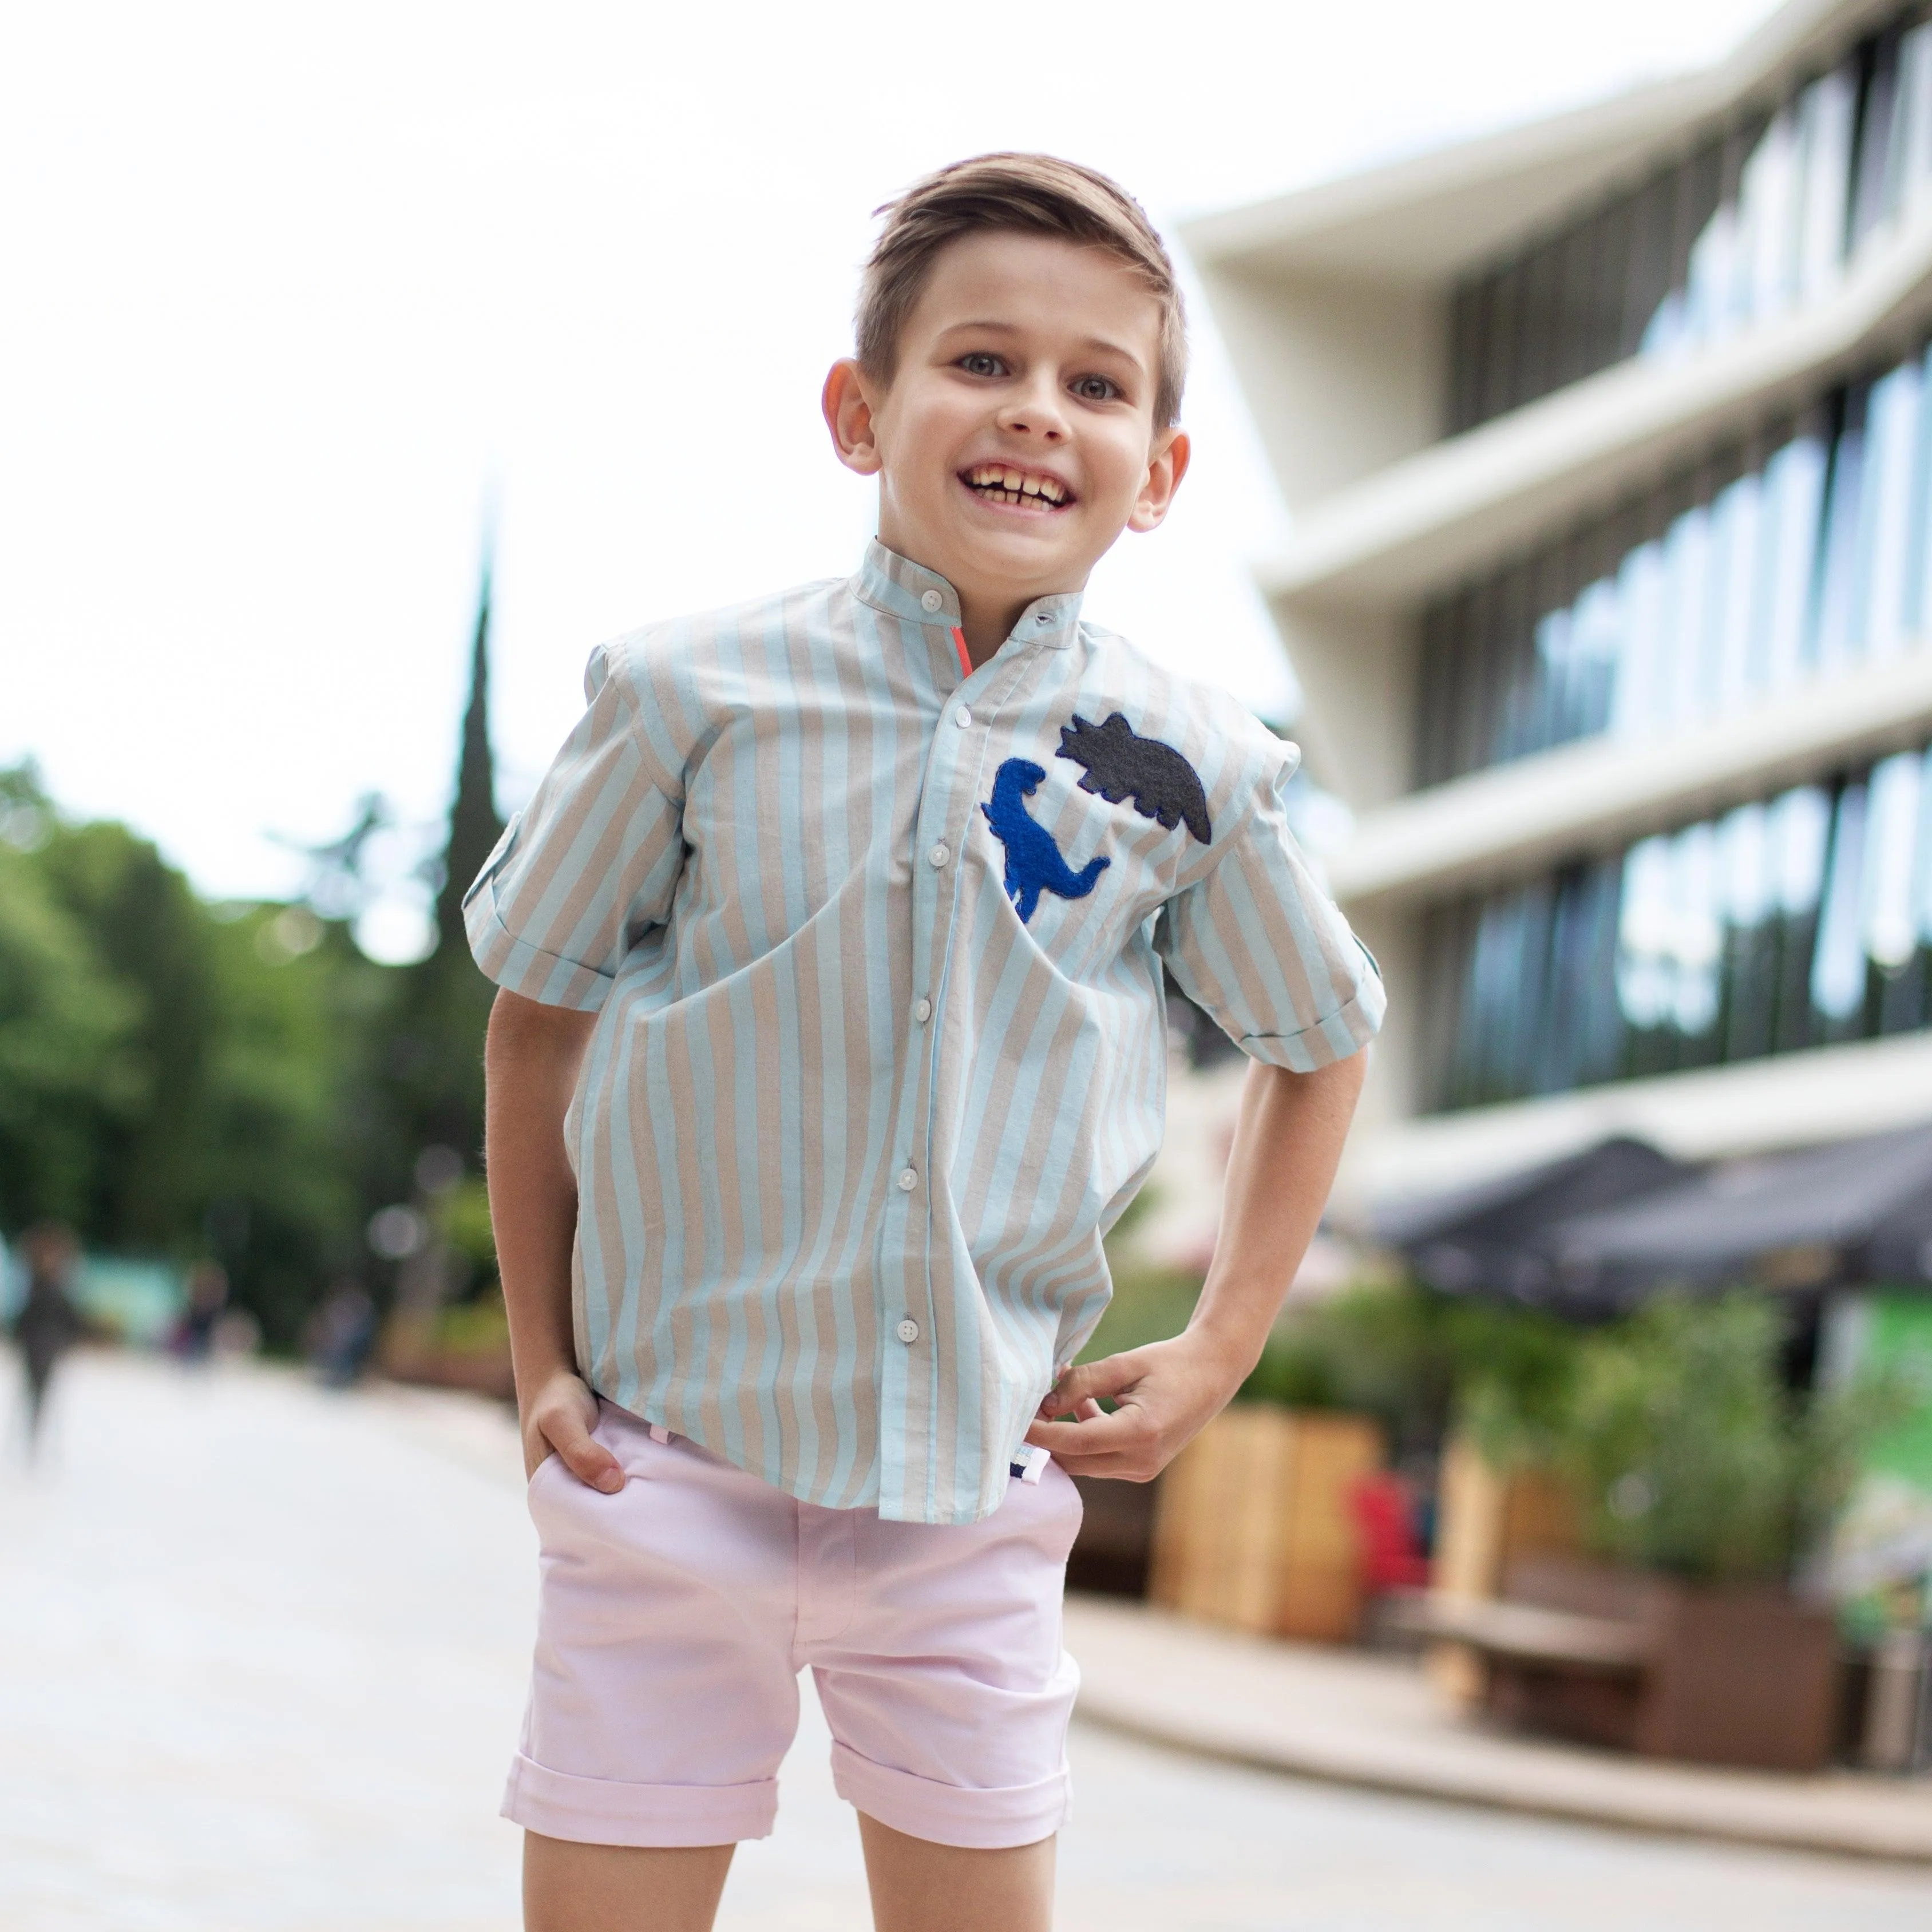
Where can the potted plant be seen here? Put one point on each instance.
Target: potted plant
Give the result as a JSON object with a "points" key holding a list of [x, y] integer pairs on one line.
{"points": [[1701, 1479]]}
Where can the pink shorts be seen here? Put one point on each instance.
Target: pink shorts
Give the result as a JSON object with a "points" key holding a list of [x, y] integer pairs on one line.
{"points": [[676, 1615]]}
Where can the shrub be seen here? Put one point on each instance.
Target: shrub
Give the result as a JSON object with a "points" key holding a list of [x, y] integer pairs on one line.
{"points": [[1691, 1455]]}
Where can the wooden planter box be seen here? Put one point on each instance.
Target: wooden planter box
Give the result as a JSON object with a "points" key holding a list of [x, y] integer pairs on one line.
{"points": [[1742, 1675], [1253, 1526], [1489, 1520]]}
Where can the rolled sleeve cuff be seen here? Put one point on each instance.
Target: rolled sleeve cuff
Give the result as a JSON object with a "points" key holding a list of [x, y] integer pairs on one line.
{"points": [[600, 1811], [980, 1820], [520, 968], [1345, 1031]]}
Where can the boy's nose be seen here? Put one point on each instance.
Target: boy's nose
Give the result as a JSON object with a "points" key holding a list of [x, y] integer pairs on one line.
{"points": [[1036, 413]]}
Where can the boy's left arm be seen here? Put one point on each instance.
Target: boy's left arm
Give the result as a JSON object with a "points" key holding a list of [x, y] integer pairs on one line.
{"points": [[1288, 1143]]}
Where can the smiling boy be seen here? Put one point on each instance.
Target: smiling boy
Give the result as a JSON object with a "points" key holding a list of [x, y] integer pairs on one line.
{"points": [[830, 1044]]}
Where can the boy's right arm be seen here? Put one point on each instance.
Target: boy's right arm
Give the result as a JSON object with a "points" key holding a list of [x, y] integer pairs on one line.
{"points": [[530, 1065]]}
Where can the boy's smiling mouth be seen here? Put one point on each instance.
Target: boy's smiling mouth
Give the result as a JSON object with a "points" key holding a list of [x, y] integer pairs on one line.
{"points": [[1007, 484]]}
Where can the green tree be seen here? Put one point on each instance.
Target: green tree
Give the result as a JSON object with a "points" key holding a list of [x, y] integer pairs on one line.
{"points": [[435, 1055], [152, 938], [177, 1080], [67, 1082], [1692, 1455]]}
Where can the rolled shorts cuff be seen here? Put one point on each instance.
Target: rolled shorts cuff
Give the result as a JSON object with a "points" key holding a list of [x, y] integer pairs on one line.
{"points": [[600, 1811], [980, 1820]]}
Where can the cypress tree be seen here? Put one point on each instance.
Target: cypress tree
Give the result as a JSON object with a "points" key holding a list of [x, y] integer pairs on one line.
{"points": [[474, 824], [437, 1051]]}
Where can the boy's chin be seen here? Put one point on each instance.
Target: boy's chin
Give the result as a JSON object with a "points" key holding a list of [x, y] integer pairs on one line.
{"points": [[1025, 552]]}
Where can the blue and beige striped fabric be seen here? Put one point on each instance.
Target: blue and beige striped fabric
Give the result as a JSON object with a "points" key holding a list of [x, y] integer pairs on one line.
{"points": [[850, 1129]]}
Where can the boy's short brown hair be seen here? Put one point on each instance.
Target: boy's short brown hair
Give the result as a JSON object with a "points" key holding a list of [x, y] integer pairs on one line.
{"points": [[1023, 194]]}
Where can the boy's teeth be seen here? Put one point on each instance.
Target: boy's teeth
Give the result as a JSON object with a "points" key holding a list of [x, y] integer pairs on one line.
{"points": [[1014, 486]]}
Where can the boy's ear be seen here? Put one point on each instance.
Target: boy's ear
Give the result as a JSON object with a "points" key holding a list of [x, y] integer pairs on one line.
{"points": [[1166, 465], [847, 403]]}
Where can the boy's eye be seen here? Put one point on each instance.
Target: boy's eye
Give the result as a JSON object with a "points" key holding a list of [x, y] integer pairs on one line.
{"points": [[1096, 389], [980, 364]]}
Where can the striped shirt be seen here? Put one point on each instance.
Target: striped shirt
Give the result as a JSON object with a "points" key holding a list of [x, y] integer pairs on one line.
{"points": [[875, 941]]}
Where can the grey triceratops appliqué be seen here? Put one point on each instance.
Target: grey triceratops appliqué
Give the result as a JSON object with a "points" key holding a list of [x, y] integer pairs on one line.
{"points": [[1120, 763]]}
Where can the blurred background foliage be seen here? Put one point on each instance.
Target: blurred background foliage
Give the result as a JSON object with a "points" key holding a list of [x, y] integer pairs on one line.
{"points": [[1680, 1428], [182, 1081], [1693, 1455]]}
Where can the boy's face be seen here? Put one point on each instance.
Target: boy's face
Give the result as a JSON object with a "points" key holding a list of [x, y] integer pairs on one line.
{"points": [[1016, 439]]}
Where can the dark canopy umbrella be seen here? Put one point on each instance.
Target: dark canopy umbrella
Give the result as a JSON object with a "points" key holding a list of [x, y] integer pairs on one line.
{"points": [[1865, 1205], [1489, 1239]]}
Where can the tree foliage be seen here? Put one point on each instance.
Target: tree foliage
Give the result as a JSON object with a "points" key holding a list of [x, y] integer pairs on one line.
{"points": [[1691, 1454], [180, 1080], [176, 1080]]}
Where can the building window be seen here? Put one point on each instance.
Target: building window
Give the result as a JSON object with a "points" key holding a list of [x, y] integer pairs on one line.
{"points": [[1797, 556], [1760, 218], [1800, 920]]}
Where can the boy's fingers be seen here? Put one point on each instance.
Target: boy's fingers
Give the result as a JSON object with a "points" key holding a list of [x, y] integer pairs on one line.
{"points": [[1097, 1435], [587, 1460], [1088, 1382]]}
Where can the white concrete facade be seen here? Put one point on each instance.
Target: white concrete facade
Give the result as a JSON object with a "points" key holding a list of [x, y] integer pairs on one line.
{"points": [[1336, 304]]}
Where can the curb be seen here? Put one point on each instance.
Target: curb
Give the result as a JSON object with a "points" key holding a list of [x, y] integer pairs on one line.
{"points": [[1365, 1723]]}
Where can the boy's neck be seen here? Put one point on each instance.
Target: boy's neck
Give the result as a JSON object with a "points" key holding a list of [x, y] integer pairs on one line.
{"points": [[988, 612], [986, 622]]}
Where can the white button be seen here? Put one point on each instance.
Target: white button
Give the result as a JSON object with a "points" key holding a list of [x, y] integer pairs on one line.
{"points": [[908, 1179], [940, 854], [908, 1330], [932, 600], [963, 718], [923, 1011]]}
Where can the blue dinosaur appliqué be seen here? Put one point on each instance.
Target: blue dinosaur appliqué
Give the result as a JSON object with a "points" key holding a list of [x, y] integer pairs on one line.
{"points": [[1033, 863]]}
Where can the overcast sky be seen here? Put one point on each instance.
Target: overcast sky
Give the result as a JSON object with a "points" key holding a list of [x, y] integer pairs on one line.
{"points": [[291, 292]]}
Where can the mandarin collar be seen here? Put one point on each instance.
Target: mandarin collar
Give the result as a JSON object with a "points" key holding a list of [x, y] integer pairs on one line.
{"points": [[900, 588]]}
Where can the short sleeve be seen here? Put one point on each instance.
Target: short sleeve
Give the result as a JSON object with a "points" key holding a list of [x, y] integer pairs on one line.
{"points": [[1258, 944], [590, 865]]}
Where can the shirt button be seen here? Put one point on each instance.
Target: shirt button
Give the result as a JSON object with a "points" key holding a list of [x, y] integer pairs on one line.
{"points": [[923, 1011], [908, 1180], [932, 600], [940, 854], [908, 1330], [963, 718]]}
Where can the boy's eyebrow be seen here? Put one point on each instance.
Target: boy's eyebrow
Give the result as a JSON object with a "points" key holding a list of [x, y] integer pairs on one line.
{"points": [[1101, 343]]}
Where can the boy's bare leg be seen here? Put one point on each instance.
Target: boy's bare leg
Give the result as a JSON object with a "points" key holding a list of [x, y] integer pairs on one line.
{"points": [[918, 1886], [572, 1887]]}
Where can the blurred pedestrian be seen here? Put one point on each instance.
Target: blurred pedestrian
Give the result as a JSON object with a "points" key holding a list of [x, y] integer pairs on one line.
{"points": [[341, 1333], [49, 1323], [194, 1340]]}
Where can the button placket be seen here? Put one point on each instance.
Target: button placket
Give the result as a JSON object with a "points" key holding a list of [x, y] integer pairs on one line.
{"points": [[954, 766], [947, 801]]}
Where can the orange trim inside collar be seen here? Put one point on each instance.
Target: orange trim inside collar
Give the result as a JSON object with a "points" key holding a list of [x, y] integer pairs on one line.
{"points": [[965, 655]]}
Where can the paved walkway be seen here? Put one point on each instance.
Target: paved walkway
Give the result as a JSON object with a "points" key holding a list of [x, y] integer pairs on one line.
{"points": [[262, 1653], [1374, 1721]]}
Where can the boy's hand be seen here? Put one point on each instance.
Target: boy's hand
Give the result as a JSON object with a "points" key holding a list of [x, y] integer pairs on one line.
{"points": [[1167, 1393], [560, 1417]]}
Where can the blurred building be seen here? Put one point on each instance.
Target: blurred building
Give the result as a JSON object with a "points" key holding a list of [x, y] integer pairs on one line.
{"points": [[1609, 444]]}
